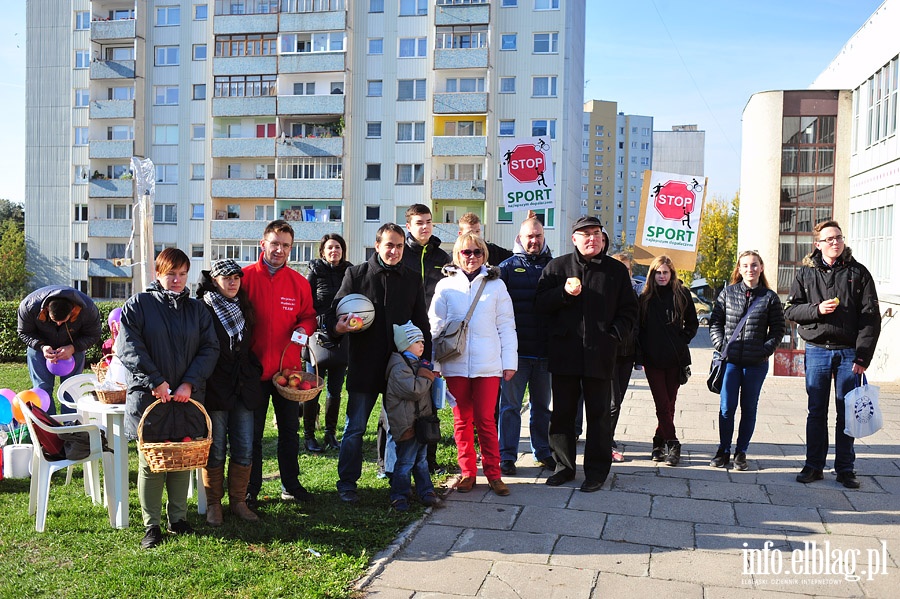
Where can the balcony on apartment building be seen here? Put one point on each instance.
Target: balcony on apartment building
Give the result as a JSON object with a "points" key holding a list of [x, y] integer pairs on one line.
{"points": [[459, 145], [110, 188], [250, 230], [242, 188], [107, 29], [454, 12], [107, 227], [112, 69], [112, 109], [458, 189], [245, 16], [313, 15], [111, 148], [461, 47], [243, 147], [244, 95], [311, 104], [310, 139], [454, 95]]}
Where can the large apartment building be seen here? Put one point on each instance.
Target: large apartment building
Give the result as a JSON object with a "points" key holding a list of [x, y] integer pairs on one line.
{"points": [[334, 114]]}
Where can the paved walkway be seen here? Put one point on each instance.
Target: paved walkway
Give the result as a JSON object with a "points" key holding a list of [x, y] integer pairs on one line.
{"points": [[664, 532]]}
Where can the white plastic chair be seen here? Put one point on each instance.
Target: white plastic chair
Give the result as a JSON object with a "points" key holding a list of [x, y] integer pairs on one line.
{"points": [[42, 469], [76, 386]]}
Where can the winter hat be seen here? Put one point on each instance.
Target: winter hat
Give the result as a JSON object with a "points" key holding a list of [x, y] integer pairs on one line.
{"points": [[225, 268], [406, 334]]}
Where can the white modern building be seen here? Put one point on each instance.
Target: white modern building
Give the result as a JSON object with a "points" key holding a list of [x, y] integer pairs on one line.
{"points": [[334, 114]]}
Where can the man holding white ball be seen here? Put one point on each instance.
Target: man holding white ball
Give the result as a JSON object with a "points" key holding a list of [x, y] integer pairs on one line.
{"points": [[58, 324], [397, 295]]}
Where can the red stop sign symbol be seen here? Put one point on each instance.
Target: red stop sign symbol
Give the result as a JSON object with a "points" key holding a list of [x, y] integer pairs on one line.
{"points": [[526, 164], [674, 200]]}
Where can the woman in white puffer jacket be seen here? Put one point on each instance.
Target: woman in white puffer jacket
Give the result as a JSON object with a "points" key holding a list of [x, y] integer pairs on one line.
{"points": [[473, 378]]}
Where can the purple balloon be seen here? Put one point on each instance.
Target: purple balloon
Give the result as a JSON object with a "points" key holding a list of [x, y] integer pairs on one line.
{"points": [[115, 315], [45, 398], [61, 367]]}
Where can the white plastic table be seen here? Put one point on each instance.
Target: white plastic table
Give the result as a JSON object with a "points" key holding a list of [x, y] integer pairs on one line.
{"points": [[115, 465]]}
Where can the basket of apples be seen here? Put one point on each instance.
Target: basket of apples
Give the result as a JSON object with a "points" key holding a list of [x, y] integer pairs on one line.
{"points": [[296, 384], [176, 456]]}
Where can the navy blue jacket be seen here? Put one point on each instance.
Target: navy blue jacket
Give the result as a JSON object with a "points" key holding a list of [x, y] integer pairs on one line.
{"points": [[521, 273]]}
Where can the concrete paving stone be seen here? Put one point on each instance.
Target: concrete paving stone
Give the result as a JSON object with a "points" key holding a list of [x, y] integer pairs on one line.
{"points": [[693, 468], [716, 537], [651, 485], [431, 541], [475, 495], [554, 521], [722, 569], [879, 524], [485, 515], [517, 581], [723, 490], [379, 592], [617, 586], [778, 517], [890, 484], [870, 498], [692, 510], [883, 583], [872, 465], [612, 502], [799, 494], [535, 494], [493, 545], [464, 576], [870, 552], [648, 531], [833, 586], [745, 592], [604, 556]]}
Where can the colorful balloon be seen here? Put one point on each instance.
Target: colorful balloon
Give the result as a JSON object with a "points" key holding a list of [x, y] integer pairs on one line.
{"points": [[6, 415], [27, 397], [115, 315], [9, 394], [45, 398], [61, 367]]}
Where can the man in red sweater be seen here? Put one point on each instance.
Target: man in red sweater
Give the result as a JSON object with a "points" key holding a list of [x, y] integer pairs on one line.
{"points": [[282, 300]]}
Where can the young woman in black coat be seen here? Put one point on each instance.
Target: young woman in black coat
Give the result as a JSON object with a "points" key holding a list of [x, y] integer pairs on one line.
{"points": [[668, 322]]}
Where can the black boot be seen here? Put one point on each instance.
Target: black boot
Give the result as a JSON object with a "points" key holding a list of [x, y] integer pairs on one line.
{"points": [[721, 459], [659, 450], [331, 441], [313, 446], [674, 453]]}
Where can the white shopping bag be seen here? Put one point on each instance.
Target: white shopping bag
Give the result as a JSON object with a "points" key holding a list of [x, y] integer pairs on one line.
{"points": [[862, 414]]}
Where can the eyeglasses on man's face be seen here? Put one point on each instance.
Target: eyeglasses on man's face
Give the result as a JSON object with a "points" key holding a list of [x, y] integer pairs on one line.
{"points": [[589, 234], [476, 252], [832, 240]]}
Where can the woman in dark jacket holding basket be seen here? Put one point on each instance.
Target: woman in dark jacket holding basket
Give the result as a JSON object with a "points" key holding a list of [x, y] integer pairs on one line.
{"points": [[233, 391], [169, 348], [668, 322], [325, 276], [749, 319]]}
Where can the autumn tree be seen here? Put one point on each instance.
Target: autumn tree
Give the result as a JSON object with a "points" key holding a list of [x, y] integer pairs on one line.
{"points": [[13, 275], [717, 243]]}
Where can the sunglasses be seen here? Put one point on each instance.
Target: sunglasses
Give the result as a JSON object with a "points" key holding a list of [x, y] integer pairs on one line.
{"points": [[476, 252]]}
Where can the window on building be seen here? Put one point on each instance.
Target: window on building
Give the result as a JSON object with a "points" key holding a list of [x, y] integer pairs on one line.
{"points": [[464, 85], [199, 91], [463, 128], [543, 87], [508, 128], [82, 59], [373, 172], [165, 95], [244, 86], [411, 131], [198, 131], [82, 98], [376, 45], [82, 20], [410, 89], [120, 93], [82, 174], [507, 85], [117, 171], [81, 136], [167, 16], [264, 212], [373, 213], [509, 3], [115, 251], [165, 134], [196, 250], [413, 7], [373, 88], [543, 128], [376, 5], [167, 56], [201, 12], [81, 250], [300, 43], [461, 36], [546, 4], [233, 211], [253, 44], [413, 47], [120, 53], [197, 211], [165, 213], [81, 212], [305, 88], [198, 171], [167, 173], [199, 51], [546, 43], [373, 129], [410, 174], [508, 41]]}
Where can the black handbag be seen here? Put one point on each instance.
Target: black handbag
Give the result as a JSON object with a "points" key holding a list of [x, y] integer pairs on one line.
{"points": [[717, 365], [326, 353]]}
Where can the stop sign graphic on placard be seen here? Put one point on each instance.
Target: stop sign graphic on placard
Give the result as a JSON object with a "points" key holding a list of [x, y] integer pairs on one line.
{"points": [[674, 200], [526, 164]]}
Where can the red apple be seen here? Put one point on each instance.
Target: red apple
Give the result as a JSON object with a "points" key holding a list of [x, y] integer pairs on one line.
{"points": [[305, 386], [287, 372], [295, 383], [281, 381], [354, 322], [186, 440]]}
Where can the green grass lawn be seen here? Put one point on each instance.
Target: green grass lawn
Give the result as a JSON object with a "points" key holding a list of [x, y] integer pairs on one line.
{"points": [[314, 550]]}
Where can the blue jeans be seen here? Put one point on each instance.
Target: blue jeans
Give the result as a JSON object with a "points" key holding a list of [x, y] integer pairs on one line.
{"points": [[532, 373], [412, 457], [359, 408], [823, 366], [741, 384], [41, 377], [232, 432]]}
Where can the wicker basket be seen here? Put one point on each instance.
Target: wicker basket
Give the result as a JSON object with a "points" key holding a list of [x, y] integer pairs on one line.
{"points": [[101, 367], [174, 457], [299, 395], [112, 397]]}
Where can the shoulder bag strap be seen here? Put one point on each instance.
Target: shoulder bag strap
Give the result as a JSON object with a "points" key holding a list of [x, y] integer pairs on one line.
{"points": [[740, 325], [475, 301]]}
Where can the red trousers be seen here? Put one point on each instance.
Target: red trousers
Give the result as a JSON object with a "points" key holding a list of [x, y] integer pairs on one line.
{"points": [[476, 401]]}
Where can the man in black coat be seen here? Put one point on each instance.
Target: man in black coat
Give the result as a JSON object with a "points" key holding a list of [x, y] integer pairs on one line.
{"points": [[398, 296], [57, 323], [591, 307]]}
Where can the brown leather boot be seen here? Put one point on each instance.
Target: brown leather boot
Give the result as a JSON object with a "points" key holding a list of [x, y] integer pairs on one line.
{"points": [[238, 479], [213, 482]]}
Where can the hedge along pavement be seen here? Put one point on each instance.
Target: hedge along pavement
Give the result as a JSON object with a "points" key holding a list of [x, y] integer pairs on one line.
{"points": [[13, 350]]}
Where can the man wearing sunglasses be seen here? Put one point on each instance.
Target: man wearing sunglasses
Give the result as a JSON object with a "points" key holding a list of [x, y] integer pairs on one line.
{"points": [[833, 299], [590, 306]]}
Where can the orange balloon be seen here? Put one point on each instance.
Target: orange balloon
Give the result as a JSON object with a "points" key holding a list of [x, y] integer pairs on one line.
{"points": [[28, 397]]}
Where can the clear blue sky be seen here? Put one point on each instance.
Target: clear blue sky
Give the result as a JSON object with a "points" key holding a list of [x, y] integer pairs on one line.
{"points": [[680, 61], [699, 61]]}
